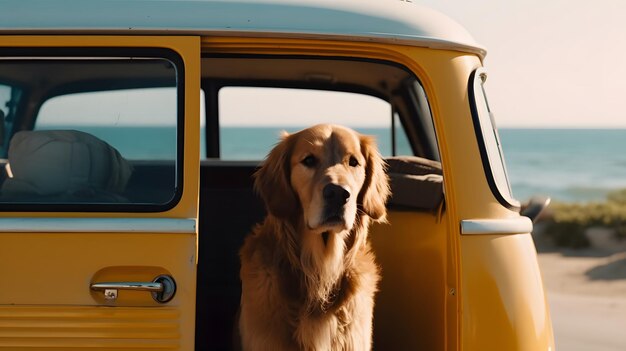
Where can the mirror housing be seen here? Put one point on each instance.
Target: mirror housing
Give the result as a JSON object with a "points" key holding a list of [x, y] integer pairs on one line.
{"points": [[534, 207]]}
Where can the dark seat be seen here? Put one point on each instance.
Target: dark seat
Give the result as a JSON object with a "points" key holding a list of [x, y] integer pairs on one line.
{"points": [[416, 183], [228, 211]]}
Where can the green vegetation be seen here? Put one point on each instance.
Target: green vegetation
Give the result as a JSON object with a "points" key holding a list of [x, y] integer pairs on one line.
{"points": [[567, 222]]}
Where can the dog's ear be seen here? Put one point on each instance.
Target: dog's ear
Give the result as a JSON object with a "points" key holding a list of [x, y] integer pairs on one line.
{"points": [[272, 180], [375, 191]]}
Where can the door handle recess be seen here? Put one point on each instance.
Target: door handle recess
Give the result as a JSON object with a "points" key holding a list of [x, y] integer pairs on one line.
{"points": [[162, 288]]}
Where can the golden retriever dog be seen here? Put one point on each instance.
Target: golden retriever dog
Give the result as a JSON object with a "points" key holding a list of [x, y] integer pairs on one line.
{"points": [[308, 273]]}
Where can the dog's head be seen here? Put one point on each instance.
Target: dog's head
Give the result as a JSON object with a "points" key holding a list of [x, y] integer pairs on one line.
{"points": [[326, 174]]}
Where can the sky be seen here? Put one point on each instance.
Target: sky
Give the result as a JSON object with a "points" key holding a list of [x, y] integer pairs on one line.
{"points": [[286, 107], [551, 63]]}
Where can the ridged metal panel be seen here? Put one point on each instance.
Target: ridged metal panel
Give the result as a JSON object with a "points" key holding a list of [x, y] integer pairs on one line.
{"points": [[92, 328]]}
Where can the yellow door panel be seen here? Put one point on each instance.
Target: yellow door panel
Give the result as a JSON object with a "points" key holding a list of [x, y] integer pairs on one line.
{"points": [[59, 268], [90, 328], [411, 304], [49, 259]]}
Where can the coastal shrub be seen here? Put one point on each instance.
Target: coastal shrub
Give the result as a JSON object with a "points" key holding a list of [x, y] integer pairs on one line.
{"points": [[567, 234], [568, 221], [617, 197]]}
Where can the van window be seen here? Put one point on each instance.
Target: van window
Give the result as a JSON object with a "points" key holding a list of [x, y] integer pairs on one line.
{"points": [[5, 97], [489, 140], [139, 123], [105, 135], [9, 97], [252, 118]]}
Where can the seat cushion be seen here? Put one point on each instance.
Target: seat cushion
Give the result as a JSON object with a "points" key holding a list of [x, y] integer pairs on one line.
{"points": [[416, 183], [61, 162]]}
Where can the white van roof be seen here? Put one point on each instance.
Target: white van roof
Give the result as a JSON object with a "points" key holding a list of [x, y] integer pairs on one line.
{"points": [[366, 20]]}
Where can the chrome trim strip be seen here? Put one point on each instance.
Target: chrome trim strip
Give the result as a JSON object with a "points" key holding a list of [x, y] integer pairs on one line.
{"points": [[97, 225], [519, 225]]}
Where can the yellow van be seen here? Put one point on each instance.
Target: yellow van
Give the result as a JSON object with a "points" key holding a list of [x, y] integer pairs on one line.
{"points": [[129, 131]]}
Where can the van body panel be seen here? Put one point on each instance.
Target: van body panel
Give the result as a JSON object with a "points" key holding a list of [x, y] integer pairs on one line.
{"points": [[46, 297], [354, 20], [504, 304], [440, 290], [465, 187]]}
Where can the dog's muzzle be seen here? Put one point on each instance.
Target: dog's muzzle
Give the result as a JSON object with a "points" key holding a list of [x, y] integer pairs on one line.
{"points": [[335, 198]]}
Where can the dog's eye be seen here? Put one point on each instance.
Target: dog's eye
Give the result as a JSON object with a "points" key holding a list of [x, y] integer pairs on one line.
{"points": [[353, 162], [309, 161]]}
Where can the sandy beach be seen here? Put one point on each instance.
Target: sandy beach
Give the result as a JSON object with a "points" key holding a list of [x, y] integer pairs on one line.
{"points": [[587, 295]]}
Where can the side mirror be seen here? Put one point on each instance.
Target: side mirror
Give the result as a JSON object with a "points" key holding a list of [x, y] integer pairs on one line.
{"points": [[534, 207]]}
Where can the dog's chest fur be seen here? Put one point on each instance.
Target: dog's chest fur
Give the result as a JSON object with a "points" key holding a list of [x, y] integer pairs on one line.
{"points": [[314, 321]]}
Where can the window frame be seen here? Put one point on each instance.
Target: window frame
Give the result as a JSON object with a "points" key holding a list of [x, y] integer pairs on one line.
{"points": [[408, 118], [481, 122], [86, 53]]}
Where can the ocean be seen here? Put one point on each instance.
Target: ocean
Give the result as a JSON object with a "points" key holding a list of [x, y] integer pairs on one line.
{"points": [[566, 164], [572, 165]]}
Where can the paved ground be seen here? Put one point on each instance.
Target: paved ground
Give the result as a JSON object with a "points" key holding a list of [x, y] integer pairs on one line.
{"points": [[588, 323], [587, 296]]}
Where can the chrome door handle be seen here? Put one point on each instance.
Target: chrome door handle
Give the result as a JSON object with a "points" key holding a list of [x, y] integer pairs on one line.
{"points": [[136, 286], [162, 288]]}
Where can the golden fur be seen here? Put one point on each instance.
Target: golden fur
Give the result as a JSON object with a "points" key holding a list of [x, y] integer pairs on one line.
{"points": [[308, 274]]}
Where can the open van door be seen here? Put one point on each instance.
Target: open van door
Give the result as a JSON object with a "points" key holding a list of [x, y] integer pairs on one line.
{"points": [[99, 197]]}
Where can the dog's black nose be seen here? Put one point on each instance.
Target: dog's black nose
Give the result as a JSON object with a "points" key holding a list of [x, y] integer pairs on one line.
{"points": [[336, 193]]}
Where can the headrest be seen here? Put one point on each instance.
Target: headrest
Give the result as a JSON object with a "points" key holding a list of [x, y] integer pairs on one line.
{"points": [[62, 162], [416, 183]]}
